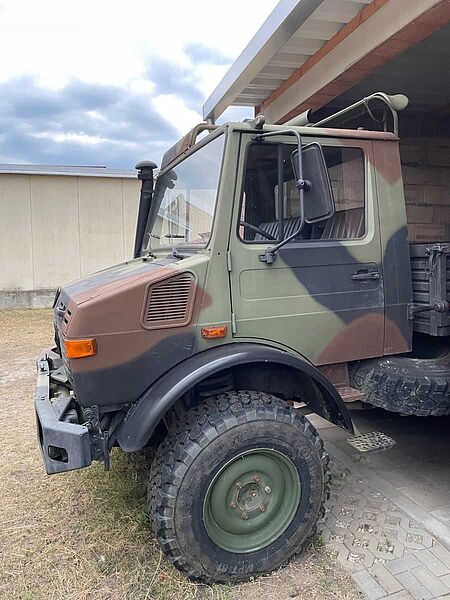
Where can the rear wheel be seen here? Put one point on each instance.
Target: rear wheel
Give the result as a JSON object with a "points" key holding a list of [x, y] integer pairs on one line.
{"points": [[237, 489]]}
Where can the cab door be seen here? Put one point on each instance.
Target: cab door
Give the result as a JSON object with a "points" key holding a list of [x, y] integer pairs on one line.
{"points": [[323, 295]]}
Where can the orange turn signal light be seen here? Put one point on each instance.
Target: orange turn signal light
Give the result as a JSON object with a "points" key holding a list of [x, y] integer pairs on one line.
{"points": [[80, 348], [217, 331]]}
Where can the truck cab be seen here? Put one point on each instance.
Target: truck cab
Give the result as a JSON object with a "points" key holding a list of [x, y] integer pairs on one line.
{"points": [[272, 269]]}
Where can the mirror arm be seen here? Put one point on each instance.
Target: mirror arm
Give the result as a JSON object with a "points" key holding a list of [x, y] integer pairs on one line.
{"points": [[302, 185]]}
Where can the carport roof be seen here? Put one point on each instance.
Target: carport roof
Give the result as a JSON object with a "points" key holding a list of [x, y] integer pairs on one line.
{"points": [[292, 34], [91, 171]]}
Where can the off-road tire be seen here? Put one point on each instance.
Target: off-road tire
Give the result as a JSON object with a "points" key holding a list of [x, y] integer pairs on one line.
{"points": [[406, 385], [186, 463]]}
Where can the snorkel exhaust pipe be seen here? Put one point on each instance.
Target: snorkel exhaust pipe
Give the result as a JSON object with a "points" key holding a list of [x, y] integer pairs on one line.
{"points": [[145, 174]]}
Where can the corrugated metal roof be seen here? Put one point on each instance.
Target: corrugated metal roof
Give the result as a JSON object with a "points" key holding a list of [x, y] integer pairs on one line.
{"points": [[293, 32], [67, 170]]}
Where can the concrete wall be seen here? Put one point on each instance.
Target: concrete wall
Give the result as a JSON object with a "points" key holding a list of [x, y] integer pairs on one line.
{"points": [[54, 229]]}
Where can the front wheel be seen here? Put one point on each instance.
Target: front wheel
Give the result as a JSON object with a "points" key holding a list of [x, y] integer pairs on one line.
{"points": [[237, 489]]}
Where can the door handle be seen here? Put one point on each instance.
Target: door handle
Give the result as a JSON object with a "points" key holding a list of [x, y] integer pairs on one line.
{"points": [[365, 275]]}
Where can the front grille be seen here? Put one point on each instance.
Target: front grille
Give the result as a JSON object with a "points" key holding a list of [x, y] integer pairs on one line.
{"points": [[169, 303]]}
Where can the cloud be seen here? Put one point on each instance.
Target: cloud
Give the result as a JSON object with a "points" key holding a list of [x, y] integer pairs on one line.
{"points": [[85, 124], [170, 78], [92, 83], [199, 53], [80, 124]]}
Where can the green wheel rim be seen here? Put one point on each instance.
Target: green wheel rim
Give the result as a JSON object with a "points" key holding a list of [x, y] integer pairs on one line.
{"points": [[252, 500]]}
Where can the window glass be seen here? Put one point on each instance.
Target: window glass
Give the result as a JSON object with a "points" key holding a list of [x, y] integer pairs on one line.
{"points": [[346, 170], [184, 200], [259, 216]]}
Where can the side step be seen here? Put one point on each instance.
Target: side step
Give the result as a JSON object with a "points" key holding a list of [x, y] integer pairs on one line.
{"points": [[374, 441]]}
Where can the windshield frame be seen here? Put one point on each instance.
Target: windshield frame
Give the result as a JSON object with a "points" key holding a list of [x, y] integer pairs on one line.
{"points": [[171, 246]]}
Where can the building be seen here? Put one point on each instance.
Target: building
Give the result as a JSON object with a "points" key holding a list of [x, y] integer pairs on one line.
{"points": [[60, 223]]}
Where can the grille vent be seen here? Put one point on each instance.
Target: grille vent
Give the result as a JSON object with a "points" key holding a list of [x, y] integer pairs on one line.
{"points": [[169, 303]]}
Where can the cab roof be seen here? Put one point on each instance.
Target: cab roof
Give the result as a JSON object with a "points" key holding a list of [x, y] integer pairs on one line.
{"points": [[190, 139]]}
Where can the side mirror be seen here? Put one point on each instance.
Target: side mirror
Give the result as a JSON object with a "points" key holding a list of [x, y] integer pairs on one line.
{"points": [[318, 203]]}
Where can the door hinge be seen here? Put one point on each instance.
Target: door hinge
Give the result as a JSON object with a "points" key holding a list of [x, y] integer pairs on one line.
{"points": [[229, 263], [233, 323]]}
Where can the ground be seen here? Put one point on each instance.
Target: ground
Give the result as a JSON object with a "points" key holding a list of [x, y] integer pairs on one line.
{"points": [[85, 534]]}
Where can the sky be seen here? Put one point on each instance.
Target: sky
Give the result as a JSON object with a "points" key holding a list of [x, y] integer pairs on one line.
{"points": [[96, 82]]}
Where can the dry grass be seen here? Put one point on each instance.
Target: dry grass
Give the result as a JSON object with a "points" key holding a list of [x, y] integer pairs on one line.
{"points": [[84, 535]]}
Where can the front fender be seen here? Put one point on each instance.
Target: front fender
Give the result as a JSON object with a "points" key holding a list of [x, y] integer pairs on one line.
{"points": [[145, 414]]}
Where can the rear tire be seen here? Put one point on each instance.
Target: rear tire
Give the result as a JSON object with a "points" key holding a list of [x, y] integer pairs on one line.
{"points": [[237, 489], [416, 384]]}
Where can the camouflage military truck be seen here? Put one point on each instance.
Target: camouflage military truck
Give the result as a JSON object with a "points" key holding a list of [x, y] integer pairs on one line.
{"points": [[272, 275]]}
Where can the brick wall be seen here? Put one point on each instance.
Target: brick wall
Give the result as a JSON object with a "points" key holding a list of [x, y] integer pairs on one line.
{"points": [[426, 179]]}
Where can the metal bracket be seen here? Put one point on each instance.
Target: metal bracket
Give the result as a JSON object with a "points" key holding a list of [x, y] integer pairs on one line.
{"points": [[269, 256], [433, 252], [440, 307], [99, 439]]}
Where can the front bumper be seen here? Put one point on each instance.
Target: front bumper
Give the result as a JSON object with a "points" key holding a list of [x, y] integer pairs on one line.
{"points": [[64, 445]]}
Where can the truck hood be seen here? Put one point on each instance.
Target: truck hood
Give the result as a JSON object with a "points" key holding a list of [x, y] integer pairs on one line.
{"points": [[112, 278]]}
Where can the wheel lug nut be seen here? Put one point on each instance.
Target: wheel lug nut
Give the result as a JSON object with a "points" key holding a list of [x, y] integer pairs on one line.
{"points": [[253, 494], [232, 505], [262, 508], [256, 477], [238, 485], [244, 516], [267, 489]]}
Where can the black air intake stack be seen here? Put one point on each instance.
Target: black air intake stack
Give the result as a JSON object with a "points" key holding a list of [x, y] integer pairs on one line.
{"points": [[145, 174]]}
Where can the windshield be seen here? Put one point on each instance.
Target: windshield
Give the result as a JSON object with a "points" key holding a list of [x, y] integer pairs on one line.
{"points": [[184, 200]]}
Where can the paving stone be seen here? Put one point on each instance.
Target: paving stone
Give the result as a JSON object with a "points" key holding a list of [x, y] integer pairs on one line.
{"points": [[399, 565], [403, 595], [441, 553], [386, 548], [369, 585], [417, 539], [414, 586], [436, 586], [433, 563], [388, 582]]}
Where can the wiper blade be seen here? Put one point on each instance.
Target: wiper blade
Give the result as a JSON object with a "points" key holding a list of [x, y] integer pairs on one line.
{"points": [[170, 235]]}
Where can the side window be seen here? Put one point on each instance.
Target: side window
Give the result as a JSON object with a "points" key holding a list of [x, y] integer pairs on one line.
{"points": [[346, 170], [266, 215], [259, 202]]}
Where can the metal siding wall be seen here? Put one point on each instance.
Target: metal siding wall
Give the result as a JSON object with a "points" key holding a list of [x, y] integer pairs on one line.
{"points": [[54, 229], [130, 204], [16, 251], [56, 236], [101, 223]]}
